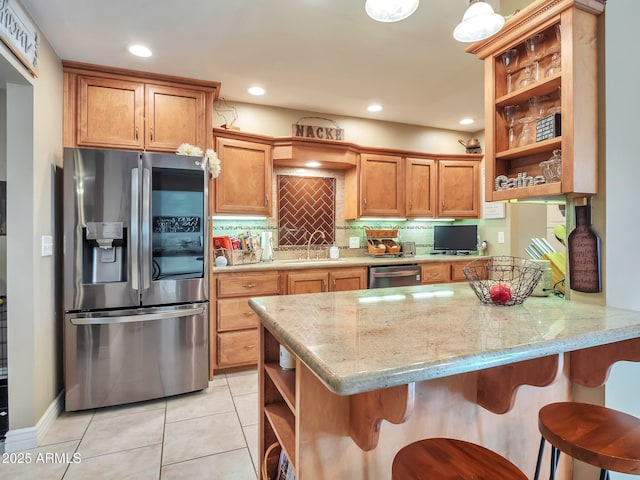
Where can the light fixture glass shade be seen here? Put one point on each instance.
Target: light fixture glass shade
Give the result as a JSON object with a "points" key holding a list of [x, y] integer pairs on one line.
{"points": [[479, 22], [390, 10]]}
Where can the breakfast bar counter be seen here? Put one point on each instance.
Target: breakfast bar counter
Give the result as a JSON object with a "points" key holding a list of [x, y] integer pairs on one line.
{"points": [[378, 369]]}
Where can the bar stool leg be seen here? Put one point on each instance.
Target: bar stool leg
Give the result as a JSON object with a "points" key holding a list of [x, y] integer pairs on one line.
{"points": [[604, 474], [555, 456], [539, 461]]}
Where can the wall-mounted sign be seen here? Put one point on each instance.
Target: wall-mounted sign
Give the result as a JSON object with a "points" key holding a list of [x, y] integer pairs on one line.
{"points": [[20, 34], [315, 131]]}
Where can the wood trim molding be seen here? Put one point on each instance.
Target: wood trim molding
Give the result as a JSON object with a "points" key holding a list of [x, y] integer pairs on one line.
{"points": [[497, 386], [528, 19], [137, 75], [367, 410]]}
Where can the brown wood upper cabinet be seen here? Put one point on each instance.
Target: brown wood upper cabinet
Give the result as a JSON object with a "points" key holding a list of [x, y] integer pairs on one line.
{"points": [[381, 182], [421, 187], [458, 189], [244, 184], [567, 80], [106, 107]]}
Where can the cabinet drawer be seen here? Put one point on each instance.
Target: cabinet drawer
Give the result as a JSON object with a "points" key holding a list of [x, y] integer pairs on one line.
{"points": [[236, 314], [248, 284], [235, 348], [436, 273]]}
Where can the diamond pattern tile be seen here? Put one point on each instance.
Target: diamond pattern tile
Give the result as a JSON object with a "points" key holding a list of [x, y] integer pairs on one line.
{"points": [[306, 204]]}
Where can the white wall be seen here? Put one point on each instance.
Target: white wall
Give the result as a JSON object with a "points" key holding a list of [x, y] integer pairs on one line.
{"points": [[34, 148], [622, 214]]}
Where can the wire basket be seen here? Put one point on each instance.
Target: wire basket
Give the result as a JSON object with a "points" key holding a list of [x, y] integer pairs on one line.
{"points": [[502, 280]]}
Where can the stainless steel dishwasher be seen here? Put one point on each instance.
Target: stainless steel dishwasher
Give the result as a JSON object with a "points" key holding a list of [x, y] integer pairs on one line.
{"points": [[394, 276]]}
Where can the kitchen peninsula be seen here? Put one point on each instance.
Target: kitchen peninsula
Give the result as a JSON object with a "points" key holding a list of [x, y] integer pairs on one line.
{"points": [[432, 361]]}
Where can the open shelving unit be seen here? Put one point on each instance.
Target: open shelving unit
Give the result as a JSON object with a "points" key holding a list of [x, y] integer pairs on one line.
{"points": [[277, 422], [573, 89]]}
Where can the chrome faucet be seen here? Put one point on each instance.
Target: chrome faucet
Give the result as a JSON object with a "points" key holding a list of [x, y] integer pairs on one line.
{"points": [[309, 242]]}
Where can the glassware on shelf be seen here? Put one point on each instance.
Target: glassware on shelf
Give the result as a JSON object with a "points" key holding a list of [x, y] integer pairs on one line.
{"points": [[528, 76], [552, 168], [555, 65], [509, 60], [534, 46], [537, 104], [509, 112], [526, 137]]}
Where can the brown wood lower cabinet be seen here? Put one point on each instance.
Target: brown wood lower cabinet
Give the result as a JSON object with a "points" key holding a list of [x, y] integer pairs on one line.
{"points": [[333, 280], [234, 325]]}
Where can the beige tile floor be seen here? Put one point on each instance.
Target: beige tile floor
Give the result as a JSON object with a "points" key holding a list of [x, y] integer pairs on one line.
{"points": [[211, 434]]}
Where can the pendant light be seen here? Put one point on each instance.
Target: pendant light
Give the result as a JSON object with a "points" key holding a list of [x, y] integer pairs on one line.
{"points": [[479, 22], [390, 10]]}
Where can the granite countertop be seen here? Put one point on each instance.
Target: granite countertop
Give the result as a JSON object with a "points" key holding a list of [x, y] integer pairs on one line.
{"points": [[361, 261], [370, 339]]}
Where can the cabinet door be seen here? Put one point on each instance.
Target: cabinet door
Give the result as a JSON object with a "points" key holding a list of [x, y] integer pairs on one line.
{"points": [[420, 187], [459, 189], [110, 113], [174, 115], [312, 281], [244, 184], [436, 272], [382, 185], [348, 279]]}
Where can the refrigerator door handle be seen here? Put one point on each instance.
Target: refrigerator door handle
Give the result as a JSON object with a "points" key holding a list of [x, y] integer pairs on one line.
{"points": [[146, 228], [135, 208], [143, 317]]}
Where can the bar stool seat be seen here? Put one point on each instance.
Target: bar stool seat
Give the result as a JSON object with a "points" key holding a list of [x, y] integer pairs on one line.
{"points": [[600, 436], [450, 459]]}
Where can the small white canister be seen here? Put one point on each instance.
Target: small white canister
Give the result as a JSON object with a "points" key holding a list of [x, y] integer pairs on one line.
{"points": [[543, 288], [287, 361], [334, 252]]}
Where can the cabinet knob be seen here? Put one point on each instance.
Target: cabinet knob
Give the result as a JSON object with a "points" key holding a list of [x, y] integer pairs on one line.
{"points": [[151, 134], [334, 283], [266, 200], [136, 133], [410, 204], [365, 201], [250, 285]]}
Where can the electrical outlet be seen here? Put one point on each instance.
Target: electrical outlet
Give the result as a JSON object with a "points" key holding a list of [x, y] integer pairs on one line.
{"points": [[500, 237], [354, 242]]}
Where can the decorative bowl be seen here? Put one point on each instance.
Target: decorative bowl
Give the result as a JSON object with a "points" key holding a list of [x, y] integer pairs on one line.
{"points": [[502, 281]]}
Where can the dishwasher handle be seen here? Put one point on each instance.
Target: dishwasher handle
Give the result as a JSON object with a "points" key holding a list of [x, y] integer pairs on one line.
{"points": [[397, 273]]}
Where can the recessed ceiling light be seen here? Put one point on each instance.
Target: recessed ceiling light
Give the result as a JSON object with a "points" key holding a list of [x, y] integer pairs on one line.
{"points": [[256, 90], [374, 108], [312, 164], [140, 51], [467, 121]]}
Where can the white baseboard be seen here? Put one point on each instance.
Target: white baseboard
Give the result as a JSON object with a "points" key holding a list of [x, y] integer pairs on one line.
{"points": [[30, 437]]}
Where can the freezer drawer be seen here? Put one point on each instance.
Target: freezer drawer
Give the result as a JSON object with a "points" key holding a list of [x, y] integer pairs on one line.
{"points": [[125, 356]]}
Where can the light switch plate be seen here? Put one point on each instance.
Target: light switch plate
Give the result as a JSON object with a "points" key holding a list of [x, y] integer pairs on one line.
{"points": [[354, 242], [500, 237], [47, 245]]}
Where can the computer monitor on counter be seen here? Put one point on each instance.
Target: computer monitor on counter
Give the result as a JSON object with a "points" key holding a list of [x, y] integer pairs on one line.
{"points": [[455, 239]]}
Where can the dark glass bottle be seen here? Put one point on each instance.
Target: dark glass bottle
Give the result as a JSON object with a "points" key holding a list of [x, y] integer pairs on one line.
{"points": [[584, 254]]}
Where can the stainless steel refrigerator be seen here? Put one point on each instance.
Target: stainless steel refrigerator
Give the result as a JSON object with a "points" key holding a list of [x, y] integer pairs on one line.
{"points": [[136, 321]]}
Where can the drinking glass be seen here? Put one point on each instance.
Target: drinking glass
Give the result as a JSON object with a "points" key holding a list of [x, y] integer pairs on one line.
{"points": [[509, 112], [537, 104], [528, 77], [526, 137], [534, 46], [509, 60], [555, 65]]}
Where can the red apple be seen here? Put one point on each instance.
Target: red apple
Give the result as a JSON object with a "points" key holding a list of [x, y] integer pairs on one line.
{"points": [[500, 292]]}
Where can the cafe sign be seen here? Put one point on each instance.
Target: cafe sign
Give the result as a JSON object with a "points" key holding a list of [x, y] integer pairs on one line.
{"points": [[20, 34], [314, 131]]}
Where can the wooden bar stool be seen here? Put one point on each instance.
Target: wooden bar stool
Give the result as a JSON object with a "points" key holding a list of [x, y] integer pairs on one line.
{"points": [[600, 436], [449, 459]]}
